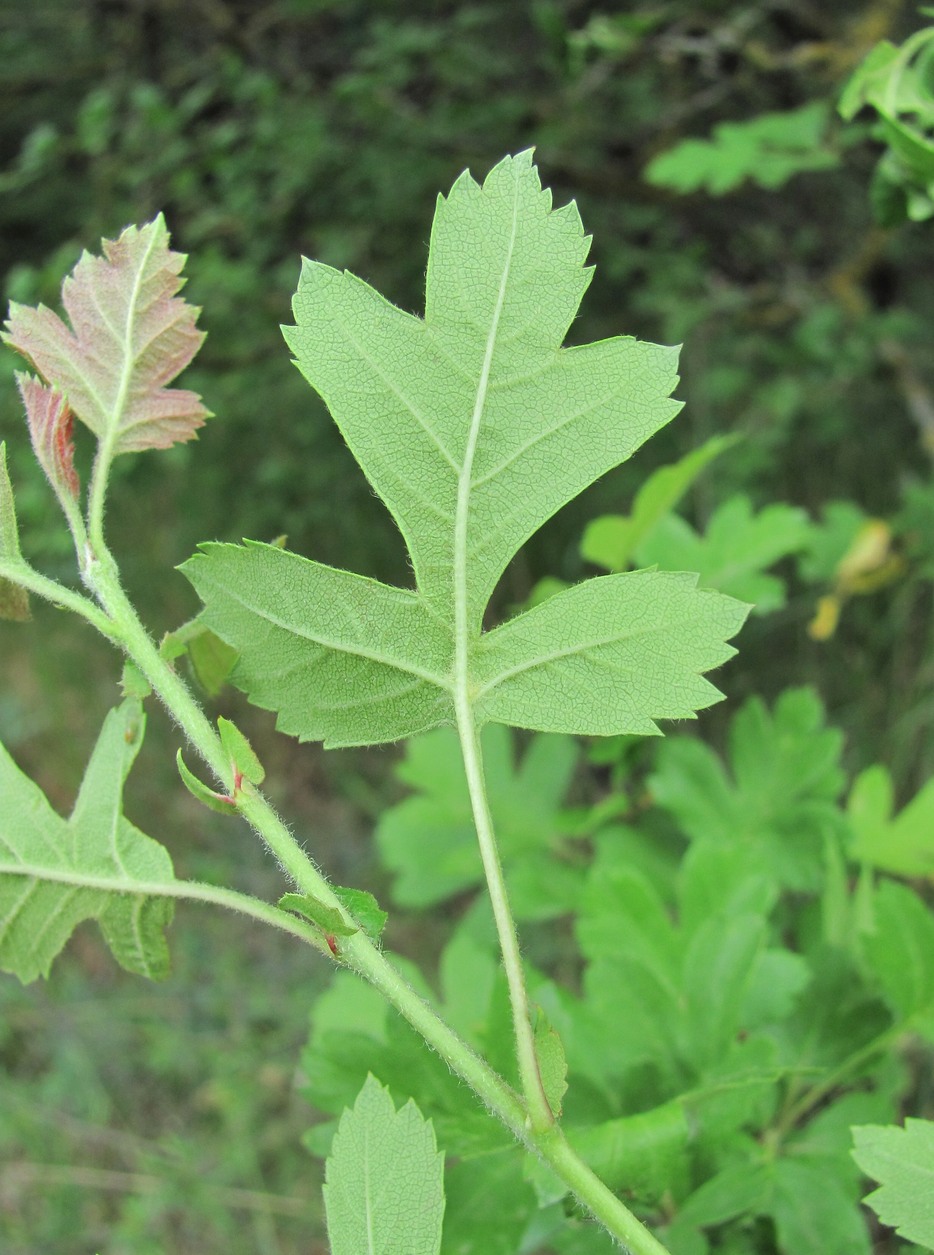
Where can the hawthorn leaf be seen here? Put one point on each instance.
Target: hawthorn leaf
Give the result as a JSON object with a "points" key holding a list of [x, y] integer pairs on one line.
{"points": [[902, 1161], [55, 873], [14, 600], [335, 654], [474, 425], [612, 654], [384, 1189], [130, 335]]}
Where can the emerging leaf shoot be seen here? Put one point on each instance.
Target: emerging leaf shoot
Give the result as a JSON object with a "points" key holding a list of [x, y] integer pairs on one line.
{"points": [[474, 425], [130, 335]]}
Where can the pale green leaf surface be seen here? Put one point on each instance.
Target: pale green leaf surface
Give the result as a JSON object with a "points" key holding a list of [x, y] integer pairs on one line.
{"points": [[384, 1190], [45, 862], [902, 1161], [505, 277], [607, 656], [333, 653], [475, 426]]}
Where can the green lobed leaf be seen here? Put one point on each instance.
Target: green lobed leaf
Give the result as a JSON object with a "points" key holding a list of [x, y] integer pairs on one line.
{"points": [[612, 654], [46, 864], [474, 425], [383, 1189], [900, 950], [612, 540], [902, 1161], [735, 550], [903, 843], [779, 799], [767, 149]]}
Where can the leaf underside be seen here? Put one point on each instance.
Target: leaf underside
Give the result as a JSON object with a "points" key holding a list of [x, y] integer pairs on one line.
{"points": [[384, 1190], [55, 873], [475, 426]]}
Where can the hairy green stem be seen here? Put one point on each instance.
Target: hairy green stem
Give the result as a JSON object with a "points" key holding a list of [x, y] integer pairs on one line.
{"points": [[530, 1118], [540, 1113], [187, 890], [27, 577]]}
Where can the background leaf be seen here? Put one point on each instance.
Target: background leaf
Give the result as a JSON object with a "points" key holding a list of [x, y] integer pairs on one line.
{"points": [[383, 1190], [902, 1160], [733, 553]]}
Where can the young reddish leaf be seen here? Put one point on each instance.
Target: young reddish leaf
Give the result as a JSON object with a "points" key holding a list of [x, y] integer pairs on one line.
{"points": [[51, 424], [130, 335]]}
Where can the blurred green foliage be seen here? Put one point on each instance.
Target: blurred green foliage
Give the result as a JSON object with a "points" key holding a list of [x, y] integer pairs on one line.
{"points": [[269, 128]]}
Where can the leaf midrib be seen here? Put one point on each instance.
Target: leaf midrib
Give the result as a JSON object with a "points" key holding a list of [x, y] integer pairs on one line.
{"points": [[464, 483]]}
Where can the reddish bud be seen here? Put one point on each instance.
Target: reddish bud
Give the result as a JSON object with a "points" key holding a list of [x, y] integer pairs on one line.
{"points": [[51, 424]]}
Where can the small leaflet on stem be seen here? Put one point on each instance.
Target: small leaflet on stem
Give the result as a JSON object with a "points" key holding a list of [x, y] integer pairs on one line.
{"points": [[14, 600]]}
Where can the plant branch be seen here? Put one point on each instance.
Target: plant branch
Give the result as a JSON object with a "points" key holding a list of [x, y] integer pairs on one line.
{"points": [[189, 890], [540, 1113], [531, 1121], [21, 573]]}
